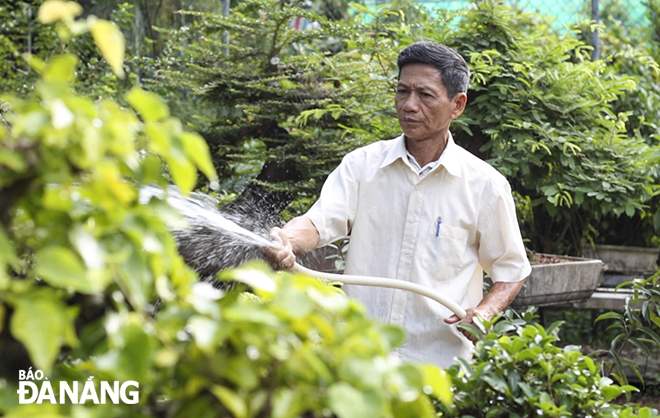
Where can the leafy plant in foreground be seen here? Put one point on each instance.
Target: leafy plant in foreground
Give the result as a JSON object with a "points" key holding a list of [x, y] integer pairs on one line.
{"points": [[82, 260]]}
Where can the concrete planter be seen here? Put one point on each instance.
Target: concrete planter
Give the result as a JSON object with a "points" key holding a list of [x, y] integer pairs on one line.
{"points": [[565, 280], [624, 259]]}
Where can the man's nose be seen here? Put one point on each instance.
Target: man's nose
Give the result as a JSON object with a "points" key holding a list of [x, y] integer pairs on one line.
{"points": [[411, 104]]}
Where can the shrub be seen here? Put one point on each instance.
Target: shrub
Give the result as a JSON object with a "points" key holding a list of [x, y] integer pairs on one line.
{"points": [[541, 112], [638, 325], [518, 371], [82, 261], [282, 106]]}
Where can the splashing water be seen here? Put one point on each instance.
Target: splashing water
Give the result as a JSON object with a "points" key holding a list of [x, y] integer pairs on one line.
{"points": [[211, 240], [201, 210]]}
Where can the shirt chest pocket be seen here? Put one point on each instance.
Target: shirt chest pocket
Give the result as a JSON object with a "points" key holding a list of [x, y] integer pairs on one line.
{"points": [[443, 249]]}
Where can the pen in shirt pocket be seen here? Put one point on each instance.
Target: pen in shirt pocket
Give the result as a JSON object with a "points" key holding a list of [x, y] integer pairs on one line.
{"points": [[437, 226]]}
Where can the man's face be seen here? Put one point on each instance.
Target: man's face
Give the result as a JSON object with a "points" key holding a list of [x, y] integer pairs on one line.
{"points": [[422, 105]]}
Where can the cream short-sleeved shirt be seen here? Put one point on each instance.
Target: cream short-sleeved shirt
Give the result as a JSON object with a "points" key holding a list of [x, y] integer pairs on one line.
{"points": [[441, 231]]}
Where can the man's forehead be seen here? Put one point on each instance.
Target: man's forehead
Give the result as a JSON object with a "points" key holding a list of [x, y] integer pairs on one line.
{"points": [[422, 84], [420, 75]]}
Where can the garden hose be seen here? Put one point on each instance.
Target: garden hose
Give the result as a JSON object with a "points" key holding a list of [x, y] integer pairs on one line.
{"points": [[391, 283]]}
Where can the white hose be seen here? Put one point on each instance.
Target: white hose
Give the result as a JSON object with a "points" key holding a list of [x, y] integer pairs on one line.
{"points": [[383, 282], [392, 283]]}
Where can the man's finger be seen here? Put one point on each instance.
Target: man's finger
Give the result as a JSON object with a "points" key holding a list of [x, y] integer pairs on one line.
{"points": [[288, 262], [275, 235], [452, 319]]}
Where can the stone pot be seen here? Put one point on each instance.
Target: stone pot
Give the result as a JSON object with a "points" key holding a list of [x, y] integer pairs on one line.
{"points": [[559, 280], [624, 259]]}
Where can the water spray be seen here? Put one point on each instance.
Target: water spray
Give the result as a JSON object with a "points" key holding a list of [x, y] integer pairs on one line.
{"points": [[206, 223]]}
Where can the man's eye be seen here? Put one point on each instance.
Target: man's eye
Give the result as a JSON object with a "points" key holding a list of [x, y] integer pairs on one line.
{"points": [[427, 95], [402, 91]]}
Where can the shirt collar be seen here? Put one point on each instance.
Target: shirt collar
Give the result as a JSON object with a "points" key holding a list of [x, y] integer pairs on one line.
{"points": [[448, 159]]}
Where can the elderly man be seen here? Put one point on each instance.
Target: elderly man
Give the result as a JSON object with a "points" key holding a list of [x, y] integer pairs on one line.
{"points": [[422, 209]]}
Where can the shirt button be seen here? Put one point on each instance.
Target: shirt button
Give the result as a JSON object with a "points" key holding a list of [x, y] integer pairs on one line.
{"points": [[406, 252]]}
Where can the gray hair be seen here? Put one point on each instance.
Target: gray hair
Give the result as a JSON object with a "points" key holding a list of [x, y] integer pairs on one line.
{"points": [[454, 72]]}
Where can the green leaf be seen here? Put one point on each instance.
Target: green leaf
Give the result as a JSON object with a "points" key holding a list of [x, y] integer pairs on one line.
{"points": [[439, 382], [136, 280], [496, 382], [150, 106], [7, 252], [361, 8], [41, 322], [231, 400], [349, 402], [204, 331], [608, 315], [53, 10], [655, 319], [645, 413], [396, 336], [292, 302], [137, 352], [611, 392], [111, 43], [621, 376], [183, 171], [12, 160], [60, 267], [198, 151], [59, 69], [287, 403], [640, 345]]}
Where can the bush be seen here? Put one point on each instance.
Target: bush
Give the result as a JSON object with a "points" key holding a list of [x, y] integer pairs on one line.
{"points": [[541, 112], [83, 261], [638, 325], [283, 106], [518, 371], [634, 53]]}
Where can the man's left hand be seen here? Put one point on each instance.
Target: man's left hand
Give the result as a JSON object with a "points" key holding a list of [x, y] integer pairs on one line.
{"points": [[470, 315]]}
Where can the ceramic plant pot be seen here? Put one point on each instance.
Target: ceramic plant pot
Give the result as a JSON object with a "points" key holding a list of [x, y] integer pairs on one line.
{"points": [[624, 259], [558, 280]]}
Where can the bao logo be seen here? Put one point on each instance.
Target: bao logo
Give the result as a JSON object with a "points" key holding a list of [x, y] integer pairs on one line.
{"points": [[109, 392]]}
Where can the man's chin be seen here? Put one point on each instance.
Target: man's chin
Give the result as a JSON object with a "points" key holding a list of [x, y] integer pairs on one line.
{"points": [[413, 134]]}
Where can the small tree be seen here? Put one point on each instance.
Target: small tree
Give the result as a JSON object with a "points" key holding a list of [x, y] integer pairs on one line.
{"points": [[541, 112], [267, 75]]}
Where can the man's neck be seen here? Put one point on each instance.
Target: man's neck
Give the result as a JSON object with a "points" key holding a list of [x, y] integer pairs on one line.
{"points": [[426, 150]]}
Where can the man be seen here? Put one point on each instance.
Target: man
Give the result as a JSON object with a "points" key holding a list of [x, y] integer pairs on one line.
{"points": [[422, 209]]}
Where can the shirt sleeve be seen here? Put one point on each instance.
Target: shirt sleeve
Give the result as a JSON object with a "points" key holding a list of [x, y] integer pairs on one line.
{"points": [[501, 250], [334, 212]]}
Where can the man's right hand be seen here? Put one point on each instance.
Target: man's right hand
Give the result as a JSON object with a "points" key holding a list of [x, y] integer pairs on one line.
{"points": [[280, 258]]}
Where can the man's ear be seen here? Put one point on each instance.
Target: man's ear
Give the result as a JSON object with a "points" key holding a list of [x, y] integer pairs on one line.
{"points": [[460, 101]]}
